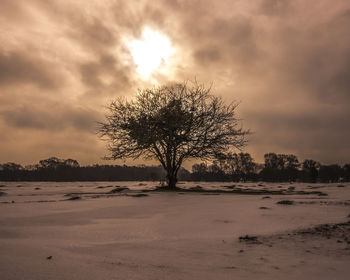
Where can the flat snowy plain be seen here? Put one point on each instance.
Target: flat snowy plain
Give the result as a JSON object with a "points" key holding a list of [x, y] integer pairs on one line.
{"points": [[99, 230]]}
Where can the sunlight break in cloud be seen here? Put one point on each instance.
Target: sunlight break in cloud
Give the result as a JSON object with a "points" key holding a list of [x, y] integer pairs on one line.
{"points": [[151, 52]]}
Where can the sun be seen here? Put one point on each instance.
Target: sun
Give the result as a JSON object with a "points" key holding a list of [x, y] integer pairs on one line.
{"points": [[151, 52]]}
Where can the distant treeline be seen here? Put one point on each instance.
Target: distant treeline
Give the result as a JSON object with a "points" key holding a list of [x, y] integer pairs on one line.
{"points": [[54, 169], [231, 167], [276, 168]]}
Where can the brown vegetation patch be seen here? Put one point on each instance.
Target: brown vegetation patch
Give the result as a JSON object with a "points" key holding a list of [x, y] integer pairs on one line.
{"points": [[74, 198], [138, 195], [118, 189], [286, 202], [249, 239]]}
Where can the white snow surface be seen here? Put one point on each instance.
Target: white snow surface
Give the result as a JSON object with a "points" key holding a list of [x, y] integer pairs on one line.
{"points": [[167, 235]]}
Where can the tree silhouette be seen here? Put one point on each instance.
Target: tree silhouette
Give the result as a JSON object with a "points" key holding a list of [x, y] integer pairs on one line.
{"points": [[310, 170], [280, 167], [171, 124], [240, 165]]}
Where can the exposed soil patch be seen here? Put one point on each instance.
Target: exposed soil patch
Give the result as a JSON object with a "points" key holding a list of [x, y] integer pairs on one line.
{"points": [[339, 232], [230, 186], [322, 202], [286, 202], [118, 189], [103, 187], [74, 198], [138, 195], [249, 191], [196, 189], [249, 239]]}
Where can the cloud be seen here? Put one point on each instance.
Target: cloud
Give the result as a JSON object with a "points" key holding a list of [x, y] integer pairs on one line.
{"points": [[52, 117], [317, 58], [105, 75], [276, 7], [229, 44], [20, 68], [287, 62]]}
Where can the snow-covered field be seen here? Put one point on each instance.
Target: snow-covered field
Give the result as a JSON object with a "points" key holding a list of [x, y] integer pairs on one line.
{"points": [[95, 230]]}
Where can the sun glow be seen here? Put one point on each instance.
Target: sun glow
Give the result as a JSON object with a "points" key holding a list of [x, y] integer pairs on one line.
{"points": [[151, 53]]}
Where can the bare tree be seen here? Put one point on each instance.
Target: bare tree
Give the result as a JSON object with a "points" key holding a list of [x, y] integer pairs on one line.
{"points": [[171, 124]]}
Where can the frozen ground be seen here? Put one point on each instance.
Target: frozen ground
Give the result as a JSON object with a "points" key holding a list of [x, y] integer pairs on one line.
{"points": [[107, 232]]}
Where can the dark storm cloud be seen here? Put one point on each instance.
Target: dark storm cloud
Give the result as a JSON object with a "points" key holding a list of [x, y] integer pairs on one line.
{"points": [[105, 76], [97, 33], [55, 117], [318, 58], [276, 7], [208, 54], [228, 41], [19, 67], [92, 33], [320, 134], [330, 119]]}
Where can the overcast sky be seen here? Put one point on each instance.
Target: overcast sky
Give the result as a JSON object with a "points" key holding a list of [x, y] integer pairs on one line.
{"points": [[286, 62]]}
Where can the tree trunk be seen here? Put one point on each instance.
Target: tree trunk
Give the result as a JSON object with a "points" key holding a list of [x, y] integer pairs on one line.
{"points": [[171, 178]]}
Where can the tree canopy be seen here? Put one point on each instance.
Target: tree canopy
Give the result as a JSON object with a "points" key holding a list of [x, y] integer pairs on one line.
{"points": [[172, 123]]}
